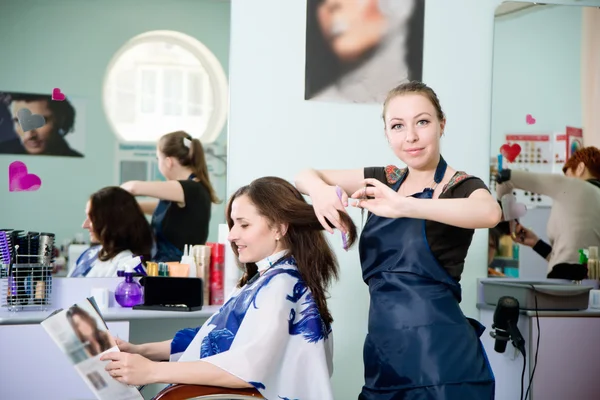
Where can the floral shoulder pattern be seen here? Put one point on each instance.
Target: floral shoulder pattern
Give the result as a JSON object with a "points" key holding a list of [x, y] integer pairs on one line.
{"points": [[458, 177], [393, 174]]}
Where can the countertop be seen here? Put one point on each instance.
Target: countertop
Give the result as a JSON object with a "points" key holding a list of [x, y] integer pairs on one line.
{"points": [[589, 313], [111, 314]]}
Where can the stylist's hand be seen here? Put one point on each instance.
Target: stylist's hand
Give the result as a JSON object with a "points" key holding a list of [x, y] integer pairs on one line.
{"points": [[129, 186], [327, 206], [131, 369], [383, 201], [525, 236]]}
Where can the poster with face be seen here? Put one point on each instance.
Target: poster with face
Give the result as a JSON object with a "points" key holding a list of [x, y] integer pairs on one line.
{"points": [[37, 124], [358, 50]]}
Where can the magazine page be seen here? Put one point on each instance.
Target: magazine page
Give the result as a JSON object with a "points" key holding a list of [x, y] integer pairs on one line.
{"points": [[81, 333]]}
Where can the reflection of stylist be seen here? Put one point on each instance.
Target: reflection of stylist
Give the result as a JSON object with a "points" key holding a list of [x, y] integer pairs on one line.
{"points": [[574, 221], [182, 215], [85, 327], [49, 139], [412, 250]]}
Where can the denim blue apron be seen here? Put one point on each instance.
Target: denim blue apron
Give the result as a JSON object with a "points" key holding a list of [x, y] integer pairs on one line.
{"points": [[419, 344]]}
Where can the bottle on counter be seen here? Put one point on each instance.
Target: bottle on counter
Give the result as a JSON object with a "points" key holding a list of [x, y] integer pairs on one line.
{"points": [[129, 292], [593, 264]]}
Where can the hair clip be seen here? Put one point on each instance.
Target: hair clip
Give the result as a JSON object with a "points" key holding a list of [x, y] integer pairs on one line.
{"points": [[187, 142]]}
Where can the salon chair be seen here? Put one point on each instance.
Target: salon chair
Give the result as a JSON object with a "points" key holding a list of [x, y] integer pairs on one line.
{"points": [[198, 392]]}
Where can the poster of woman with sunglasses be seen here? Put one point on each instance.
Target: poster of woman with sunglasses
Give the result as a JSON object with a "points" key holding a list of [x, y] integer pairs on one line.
{"points": [[35, 124]]}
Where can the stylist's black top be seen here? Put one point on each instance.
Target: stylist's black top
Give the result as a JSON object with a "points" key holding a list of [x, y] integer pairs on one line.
{"points": [[449, 244], [176, 226]]}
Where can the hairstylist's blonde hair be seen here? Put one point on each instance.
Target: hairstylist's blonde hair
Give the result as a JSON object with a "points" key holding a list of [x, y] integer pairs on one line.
{"points": [[414, 87], [190, 153]]}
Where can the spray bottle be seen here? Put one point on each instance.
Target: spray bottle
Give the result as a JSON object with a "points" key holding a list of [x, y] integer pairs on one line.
{"points": [[188, 259], [129, 293]]}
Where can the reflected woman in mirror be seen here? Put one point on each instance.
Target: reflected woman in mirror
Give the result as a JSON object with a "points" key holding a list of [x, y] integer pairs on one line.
{"points": [[182, 209], [116, 222], [94, 339], [574, 221], [274, 332]]}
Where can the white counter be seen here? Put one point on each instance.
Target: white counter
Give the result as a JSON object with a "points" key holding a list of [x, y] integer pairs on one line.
{"points": [[39, 370], [111, 314], [567, 349]]}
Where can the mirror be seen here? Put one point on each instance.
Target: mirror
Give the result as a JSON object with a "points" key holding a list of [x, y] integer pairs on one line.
{"points": [[107, 101], [537, 103]]}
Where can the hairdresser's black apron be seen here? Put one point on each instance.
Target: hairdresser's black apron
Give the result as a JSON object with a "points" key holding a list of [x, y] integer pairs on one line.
{"points": [[164, 250], [419, 345]]}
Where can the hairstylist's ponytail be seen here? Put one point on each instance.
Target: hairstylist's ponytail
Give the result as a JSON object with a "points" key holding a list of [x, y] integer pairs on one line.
{"points": [[199, 168], [189, 152]]}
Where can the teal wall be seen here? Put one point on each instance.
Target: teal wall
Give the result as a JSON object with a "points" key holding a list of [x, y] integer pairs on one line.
{"points": [[68, 44], [537, 71]]}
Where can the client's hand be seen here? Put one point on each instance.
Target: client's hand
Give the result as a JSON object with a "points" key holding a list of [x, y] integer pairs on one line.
{"points": [[127, 347], [131, 369], [383, 201], [525, 236], [328, 205]]}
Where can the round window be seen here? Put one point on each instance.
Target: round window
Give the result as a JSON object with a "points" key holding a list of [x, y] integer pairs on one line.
{"points": [[164, 81]]}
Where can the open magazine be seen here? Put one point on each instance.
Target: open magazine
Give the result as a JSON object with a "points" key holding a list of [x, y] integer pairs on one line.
{"points": [[81, 333]]}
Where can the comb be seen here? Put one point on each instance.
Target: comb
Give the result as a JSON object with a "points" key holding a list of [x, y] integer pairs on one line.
{"points": [[338, 190]]}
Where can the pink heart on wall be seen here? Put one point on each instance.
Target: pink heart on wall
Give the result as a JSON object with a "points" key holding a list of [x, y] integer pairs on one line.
{"points": [[19, 180], [529, 119], [57, 95], [510, 151]]}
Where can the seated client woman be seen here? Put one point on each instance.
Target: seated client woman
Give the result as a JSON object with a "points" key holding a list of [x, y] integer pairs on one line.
{"points": [[274, 332], [116, 222]]}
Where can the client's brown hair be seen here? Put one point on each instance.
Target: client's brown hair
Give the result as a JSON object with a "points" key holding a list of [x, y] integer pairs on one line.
{"points": [[119, 223], [281, 203]]}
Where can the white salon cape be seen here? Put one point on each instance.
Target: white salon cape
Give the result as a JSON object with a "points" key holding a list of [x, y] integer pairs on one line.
{"points": [[269, 334], [108, 269]]}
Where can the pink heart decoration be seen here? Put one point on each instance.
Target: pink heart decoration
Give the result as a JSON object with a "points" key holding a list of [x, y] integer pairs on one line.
{"points": [[19, 180], [510, 151], [57, 95], [529, 119]]}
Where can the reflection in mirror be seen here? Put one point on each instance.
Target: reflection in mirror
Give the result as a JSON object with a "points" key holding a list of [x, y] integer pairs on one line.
{"points": [[537, 119], [124, 95]]}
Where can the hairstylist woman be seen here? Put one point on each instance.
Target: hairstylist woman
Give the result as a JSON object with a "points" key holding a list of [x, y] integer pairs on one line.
{"points": [[412, 250], [574, 221], [182, 214]]}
